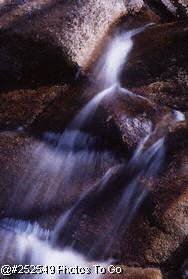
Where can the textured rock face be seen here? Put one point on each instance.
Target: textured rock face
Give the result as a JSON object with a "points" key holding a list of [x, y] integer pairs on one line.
{"points": [[67, 23], [39, 110], [42, 36], [31, 63], [168, 54], [162, 75], [134, 116], [19, 108], [169, 93]]}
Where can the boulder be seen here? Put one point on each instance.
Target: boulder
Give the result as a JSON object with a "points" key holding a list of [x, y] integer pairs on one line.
{"points": [[20, 108], [159, 70], [161, 227], [66, 24], [134, 116], [36, 29], [27, 62], [162, 59], [121, 120], [171, 93]]}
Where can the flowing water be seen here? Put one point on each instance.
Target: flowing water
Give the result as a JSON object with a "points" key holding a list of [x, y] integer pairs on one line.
{"points": [[71, 165]]}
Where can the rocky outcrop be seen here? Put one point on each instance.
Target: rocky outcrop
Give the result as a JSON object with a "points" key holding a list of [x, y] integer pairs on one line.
{"points": [[33, 34], [39, 110], [134, 116], [158, 71], [68, 24], [29, 63], [20, 108], [162, 75], [43, 195], [171, 93]]}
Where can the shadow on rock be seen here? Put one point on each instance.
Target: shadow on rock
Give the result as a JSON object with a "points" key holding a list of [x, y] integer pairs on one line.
{"points": [[28, 63]]}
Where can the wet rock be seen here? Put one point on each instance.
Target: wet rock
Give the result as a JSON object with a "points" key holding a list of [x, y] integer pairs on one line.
{"points": [[54, 36], [59, 112], [121, 120], [63, 27], [35, 176], [39, 46], [159, 70], [158, 234], [40, 110], [17, 158], [134, 116], [184, 269], [168, 93], [42, 43], [161, 229], [20, 108], [170, 192]]}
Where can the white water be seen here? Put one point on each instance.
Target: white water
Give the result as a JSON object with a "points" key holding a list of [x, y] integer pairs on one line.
{"points": [[33, 247], [147, 162], [59, 261], [58, 169], [179, 115], [109, 67], [74, 161]]}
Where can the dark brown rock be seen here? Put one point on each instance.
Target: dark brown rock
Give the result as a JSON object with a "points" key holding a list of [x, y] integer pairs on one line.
{"points": [[20, 108], [122, 118], [160, 60], [158, 70], [169, 93], [58, 114], [162, 225], [27, 62], [134, 116]]}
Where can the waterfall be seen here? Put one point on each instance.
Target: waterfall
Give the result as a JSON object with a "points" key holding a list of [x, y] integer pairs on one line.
{"points": [[71, 166], [143, 166], [147, 163], [110, 65]]}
